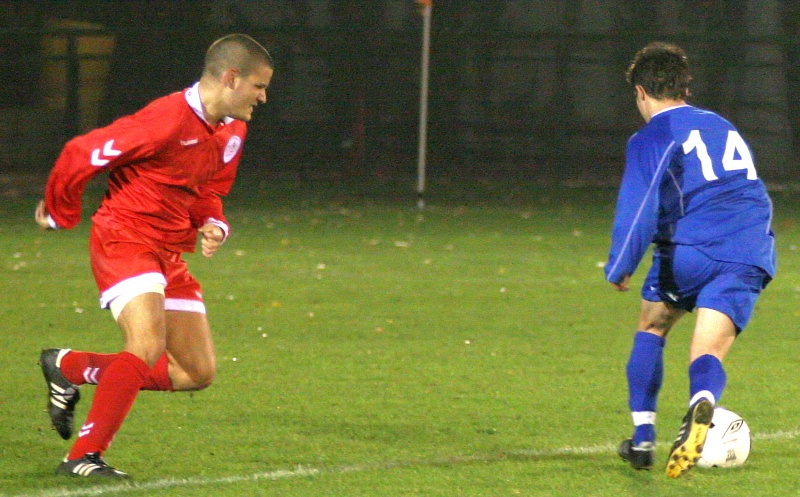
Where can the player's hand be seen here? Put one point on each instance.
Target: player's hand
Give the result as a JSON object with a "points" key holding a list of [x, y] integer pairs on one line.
{"points": [[41, 215], [213, 236], [622, 286]]}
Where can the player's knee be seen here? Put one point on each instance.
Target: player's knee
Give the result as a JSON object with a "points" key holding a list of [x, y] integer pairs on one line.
{"points": [[205, 377], [657, 328], [659, 319], [204, 382]]}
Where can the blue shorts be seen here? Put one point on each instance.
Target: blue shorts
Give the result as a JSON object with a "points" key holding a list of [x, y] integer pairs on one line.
{"points": [[685, 277]]}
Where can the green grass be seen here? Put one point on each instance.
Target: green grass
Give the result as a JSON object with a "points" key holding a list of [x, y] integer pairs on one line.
{"points": [[370, 349]]}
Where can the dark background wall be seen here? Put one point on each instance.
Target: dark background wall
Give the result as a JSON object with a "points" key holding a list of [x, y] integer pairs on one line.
{"points": [[528, 88]]}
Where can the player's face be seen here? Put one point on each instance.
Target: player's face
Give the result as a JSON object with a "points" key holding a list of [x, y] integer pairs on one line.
{"points": [[249, 91]]}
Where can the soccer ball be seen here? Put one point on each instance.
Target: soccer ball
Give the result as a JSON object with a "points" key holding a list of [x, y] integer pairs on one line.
{"points": [[728, 441]]}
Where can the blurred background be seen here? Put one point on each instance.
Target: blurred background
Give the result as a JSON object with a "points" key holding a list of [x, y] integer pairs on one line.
{"points": [[520, 89]]}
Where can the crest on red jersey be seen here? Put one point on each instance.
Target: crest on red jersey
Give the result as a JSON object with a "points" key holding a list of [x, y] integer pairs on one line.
{"points": [[231, 148]]}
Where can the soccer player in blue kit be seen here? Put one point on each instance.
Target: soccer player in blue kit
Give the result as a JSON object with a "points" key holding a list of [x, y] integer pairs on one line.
{"points": [[690, 188]]}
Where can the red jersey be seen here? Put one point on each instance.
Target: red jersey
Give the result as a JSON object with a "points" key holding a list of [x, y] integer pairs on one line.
{"points": [[167, 170]]}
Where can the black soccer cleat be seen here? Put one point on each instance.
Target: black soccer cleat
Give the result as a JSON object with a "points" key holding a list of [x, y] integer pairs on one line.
{"points": [[691, 437], [63, 394], [640, 456], [91, 465]]}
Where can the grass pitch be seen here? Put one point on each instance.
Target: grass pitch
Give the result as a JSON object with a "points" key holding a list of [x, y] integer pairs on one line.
{"points": [[370, 349]]}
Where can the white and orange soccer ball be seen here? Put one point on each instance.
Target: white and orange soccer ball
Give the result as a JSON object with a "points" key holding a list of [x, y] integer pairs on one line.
{"points": [[728, 441]]}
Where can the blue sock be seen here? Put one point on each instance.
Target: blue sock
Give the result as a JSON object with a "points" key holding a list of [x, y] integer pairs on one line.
{"points": [[644, 433], [645, 373], [706, 374]]}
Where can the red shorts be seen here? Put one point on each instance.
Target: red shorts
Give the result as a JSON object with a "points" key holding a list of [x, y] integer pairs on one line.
{"points": [[123, 263]]}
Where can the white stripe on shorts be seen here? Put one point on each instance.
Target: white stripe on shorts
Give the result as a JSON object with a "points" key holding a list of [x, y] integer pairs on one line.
{"points": [[132, 287], [185, 305]]}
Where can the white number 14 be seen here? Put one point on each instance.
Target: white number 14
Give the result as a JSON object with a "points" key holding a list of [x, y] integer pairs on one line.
{"points": [[734, 145]]}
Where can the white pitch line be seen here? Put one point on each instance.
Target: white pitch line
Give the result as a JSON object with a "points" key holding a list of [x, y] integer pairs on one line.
{"points": [[299, 472], [170, 483]]}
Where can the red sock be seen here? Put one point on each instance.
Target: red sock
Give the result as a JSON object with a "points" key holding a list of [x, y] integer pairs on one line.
{"points": [[158, 379], [81, 368], [113, 398], [85, 367]]}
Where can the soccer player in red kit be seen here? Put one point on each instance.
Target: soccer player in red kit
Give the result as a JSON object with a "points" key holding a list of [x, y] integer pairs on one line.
{"points": [[168, 166]]}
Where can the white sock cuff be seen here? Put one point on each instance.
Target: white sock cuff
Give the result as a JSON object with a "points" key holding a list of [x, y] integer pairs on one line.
{"points": [[643, 418], [61, 355], [703, 394]]}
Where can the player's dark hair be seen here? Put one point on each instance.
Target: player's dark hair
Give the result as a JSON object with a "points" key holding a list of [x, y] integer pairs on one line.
{"points": [[235, 50], [662, 69]]}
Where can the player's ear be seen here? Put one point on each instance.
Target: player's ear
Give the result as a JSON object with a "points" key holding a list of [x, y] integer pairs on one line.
{"points": [[640, 93], [229, 78]]}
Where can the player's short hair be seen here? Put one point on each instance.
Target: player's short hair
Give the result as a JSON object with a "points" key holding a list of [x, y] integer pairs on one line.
{"points": [[662, 69], [235, 51]]}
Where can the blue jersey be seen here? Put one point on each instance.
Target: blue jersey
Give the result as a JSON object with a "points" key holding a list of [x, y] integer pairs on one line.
{"points": [[690, 179]]}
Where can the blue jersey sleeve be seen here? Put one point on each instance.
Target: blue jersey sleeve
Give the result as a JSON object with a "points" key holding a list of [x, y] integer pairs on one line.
{"points": [[636, 218]]}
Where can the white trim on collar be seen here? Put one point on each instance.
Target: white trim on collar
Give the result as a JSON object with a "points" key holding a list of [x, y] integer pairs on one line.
{"points": [[193, 99]]}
